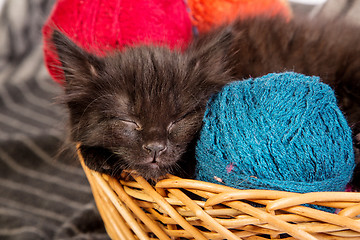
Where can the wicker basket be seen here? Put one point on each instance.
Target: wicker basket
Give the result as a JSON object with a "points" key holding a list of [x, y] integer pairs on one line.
{"points": [[133, 209]]}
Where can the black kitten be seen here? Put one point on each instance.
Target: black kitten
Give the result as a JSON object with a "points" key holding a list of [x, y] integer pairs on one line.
{"points": [[141, 108]]}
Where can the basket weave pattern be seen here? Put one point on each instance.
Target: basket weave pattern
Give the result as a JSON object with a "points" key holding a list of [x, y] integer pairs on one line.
{"points": [[133, 209]]}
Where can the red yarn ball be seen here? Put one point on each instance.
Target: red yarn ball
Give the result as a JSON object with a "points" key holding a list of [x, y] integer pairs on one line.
{"points": [[100, 26]]}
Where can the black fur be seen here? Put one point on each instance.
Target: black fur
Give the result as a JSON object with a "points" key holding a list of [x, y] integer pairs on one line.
{"points": [[127, 105], [141, 108]]}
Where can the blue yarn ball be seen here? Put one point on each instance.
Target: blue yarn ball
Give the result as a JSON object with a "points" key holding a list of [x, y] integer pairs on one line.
{"points": [[280, 131]]}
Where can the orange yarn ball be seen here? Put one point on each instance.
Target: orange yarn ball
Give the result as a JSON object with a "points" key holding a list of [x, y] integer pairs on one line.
{"points": [[209, 14]]}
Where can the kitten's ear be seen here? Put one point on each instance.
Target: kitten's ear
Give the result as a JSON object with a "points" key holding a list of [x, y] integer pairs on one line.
{"points": [[77, 64], [209, 57], [212, 46]]}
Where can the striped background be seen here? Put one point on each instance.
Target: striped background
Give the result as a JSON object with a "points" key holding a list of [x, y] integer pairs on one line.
{"points": [[43, 196]]}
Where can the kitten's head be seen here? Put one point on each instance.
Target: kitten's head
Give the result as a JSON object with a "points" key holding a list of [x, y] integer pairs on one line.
{"points": [[139, 108]]}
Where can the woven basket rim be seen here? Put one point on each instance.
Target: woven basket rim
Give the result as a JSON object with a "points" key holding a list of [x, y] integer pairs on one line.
{"points": [[134, 209]]}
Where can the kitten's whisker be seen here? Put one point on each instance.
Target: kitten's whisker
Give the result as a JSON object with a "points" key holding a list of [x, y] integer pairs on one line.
{"points": [[176, 168], [106, 160], [117, 170]]}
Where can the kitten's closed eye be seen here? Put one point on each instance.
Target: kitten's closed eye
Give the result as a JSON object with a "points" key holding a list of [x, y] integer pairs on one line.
{"points": [[130, 122], [177, 121]]}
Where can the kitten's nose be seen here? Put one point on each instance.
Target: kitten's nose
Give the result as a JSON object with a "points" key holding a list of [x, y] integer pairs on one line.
{"points": [[155, 147]]}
